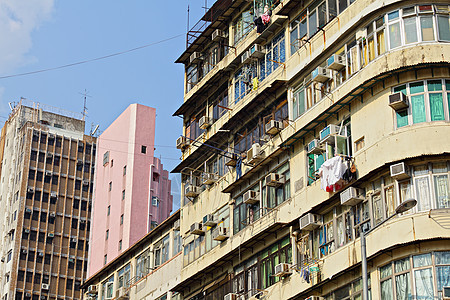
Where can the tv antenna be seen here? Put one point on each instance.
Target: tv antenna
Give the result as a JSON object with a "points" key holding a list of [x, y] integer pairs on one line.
{"points": [[85, 95], [206, 6]]}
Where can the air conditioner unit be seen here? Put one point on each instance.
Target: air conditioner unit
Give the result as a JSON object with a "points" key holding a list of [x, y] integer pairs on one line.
{"points": [[41, 254], [182, 142], [52, 214], [192, 191], [73, 240], [48, 173], [28, 210], [85, 182], [217, 35], [208, 220], [50, 235], [336, 62], [329, 131], [446, 293], [176, 225], [361, 33], [230, 296], [71, 260], [257, 51], [45, 286], [30, 190], [210, 178], [273, 127], [197, 228], [310, 221], [399, 171], [195, 57], [282, 270], [49, 155], [220, 233], [24, 251], [26, 230], [351, 196], [53, 194], [245, 57], [398, 101], [314, 147], [251, 197], [82, 221], [274, 179], [204, 122], [122, 293], [231, 159], [320, 75], [92, 289], [28, 295], [254, 154]]}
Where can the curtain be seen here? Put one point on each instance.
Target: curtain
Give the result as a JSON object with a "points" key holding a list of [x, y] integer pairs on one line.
{"points": [[410, 30], [444, 27], [386, 290], [442, 190], [423, 193], [436, 107], [442, 277], [424, 284], [403, 286]]}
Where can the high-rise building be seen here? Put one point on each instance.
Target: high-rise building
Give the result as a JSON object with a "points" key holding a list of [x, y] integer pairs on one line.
{"points": [[47, 168], [132, 190], [307, 124]]}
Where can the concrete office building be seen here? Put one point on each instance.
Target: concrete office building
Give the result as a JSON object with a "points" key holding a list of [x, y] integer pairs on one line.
{"points": [[303, 131], [47, 168], [133, 191]]}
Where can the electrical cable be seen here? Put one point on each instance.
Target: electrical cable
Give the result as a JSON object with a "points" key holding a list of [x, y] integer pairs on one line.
{"points": [[91, 60]]}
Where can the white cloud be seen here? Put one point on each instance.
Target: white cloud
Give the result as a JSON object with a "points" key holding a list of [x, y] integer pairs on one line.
{"points": [[18, 19]]}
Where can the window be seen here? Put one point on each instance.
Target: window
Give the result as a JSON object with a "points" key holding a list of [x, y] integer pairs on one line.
{"points": [[155, 201], [108, 210], [112, 163], [105, 158], [124, 170], [427, 102], [108, 287], [162, 251], [121, 219], [176, 242], [120, 245], [110, 186], [123, 195], [415, 275], [9, 256], [105, 259], [124, 276], [143, 264], [107, 234], [143, 149], [242, 26]]}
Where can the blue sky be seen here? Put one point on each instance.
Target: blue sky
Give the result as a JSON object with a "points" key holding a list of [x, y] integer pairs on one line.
{"points": [[41, 34]]}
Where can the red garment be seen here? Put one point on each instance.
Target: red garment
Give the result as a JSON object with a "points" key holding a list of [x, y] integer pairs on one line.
{"points": [[265, 19]]}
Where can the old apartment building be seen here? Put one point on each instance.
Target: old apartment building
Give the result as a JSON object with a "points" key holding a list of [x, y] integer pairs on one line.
{"points": [[47, 168], [307, 123]]}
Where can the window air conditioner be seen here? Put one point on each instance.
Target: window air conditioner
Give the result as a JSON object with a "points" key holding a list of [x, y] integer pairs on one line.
{"points": [[26, 230], [231, 159], [195, 57], [210, 178], [176, 225], [192, 191], [92, 289], [336, 62], [245, 58], [310, 221], [257, 51], [351, 196], [273, 127], [182, 142], [399, 171], [314, 147], [329, 131], [73, 240], [446, 293], [230, 296], [208, 220], [217, 35], [320, 75], [52, 215], [30, 190], [220, 233], [45, 286], [49, 155], [41, 254], [196, 228], [48, 173], [122, 293], [282, 270], [204, 122], [24, 251], [274, 179], [398, 101], [254, 154], [251, 197], [314, 298], [51, 235], [53, 194], [28, 210]]}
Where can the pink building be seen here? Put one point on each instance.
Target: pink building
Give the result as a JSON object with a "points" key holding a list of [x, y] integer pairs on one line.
{"points": [[132, 190]]}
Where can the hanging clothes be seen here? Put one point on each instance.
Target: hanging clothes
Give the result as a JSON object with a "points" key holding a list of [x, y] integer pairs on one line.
{"points": [[255, 83], [259, 25], [265, 19], [331, 173], [239, 168]]}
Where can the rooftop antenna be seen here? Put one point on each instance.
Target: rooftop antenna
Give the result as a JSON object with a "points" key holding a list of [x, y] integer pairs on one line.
{"points": [[95, 129], [85, 95], [206, 6]]}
